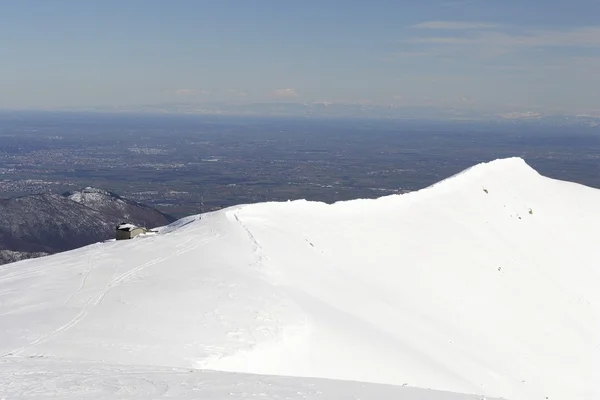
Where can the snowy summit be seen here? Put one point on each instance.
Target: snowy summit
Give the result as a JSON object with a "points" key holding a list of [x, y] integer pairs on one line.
{"points": [[483, 285]]}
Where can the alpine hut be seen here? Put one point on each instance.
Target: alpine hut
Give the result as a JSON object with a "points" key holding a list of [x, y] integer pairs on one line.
{"points": [[128, 231]]}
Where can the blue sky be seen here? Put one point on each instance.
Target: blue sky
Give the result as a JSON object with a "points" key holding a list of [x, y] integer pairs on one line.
{"points": [[504, 55]]}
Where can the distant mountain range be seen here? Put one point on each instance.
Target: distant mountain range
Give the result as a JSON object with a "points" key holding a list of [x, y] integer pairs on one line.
{"points": [[358, 110], [40, 224]]}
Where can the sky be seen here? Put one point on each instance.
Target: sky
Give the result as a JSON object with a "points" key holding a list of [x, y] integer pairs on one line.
{"points": [[509, 55]]}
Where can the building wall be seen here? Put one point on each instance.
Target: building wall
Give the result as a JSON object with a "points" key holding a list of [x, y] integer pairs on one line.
{"points": [[136, 232], [120, 235]]}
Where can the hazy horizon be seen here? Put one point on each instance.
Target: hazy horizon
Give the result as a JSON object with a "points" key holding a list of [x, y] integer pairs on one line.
{"points": [[475, 56]]}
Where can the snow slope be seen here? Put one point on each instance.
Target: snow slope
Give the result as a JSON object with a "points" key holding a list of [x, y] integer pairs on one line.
{"points": [[59, 379], [485, 283]]}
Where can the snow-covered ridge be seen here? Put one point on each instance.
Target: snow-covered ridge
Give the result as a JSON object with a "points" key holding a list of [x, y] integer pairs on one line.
{"points": [[62, 379], [485, 283]]}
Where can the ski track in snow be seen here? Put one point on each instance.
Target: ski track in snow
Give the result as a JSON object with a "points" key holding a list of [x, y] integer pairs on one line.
{"points": [[258, 250], [100, 297], [21, 273], [93, 255]]}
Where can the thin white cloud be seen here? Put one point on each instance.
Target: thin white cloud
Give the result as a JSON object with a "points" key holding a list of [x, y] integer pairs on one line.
{"points": [[191, 92], [584, 37], [526, 48], [410, 54], [454, 25], [578, 37], [286, 93], [185, 92], [237, 92]]}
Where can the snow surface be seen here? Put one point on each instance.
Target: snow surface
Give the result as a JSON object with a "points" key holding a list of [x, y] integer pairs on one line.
{"points": [[485, 283], [59, 379], [128, 227]]}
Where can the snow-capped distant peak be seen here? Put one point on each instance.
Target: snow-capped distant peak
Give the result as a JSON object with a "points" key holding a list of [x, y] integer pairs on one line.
{"points": [[98, 199], [89, 195], [113, 204], [521, 115]]}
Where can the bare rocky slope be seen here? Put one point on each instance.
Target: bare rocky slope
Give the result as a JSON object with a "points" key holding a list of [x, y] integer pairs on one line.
{"points": [[42, 224]]}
